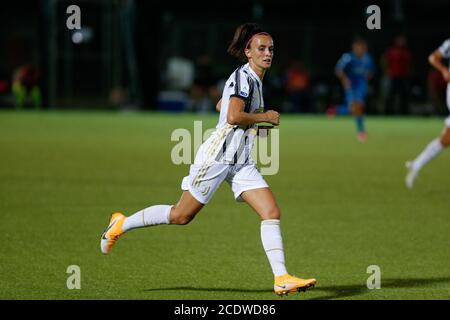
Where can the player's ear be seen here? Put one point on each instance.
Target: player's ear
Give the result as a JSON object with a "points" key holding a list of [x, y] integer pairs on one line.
{"points": [[247, 53]]}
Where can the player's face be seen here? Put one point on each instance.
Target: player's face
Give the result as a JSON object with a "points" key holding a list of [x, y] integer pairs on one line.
{"points": [[261, 51], [359, 48]]}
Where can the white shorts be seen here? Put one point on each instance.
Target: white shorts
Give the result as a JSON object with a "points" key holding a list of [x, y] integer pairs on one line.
{"points": [[204, 180]]}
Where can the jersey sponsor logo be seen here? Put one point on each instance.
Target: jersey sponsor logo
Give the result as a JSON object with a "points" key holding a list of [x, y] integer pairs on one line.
{"points": [[244, 93]]}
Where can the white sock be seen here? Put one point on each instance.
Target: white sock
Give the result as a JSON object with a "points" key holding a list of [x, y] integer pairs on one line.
{"points": [[431, 151], [150, 216], [273, 245]]}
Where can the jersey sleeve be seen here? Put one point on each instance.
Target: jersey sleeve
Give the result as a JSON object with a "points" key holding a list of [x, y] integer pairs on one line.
{"points": [[241, 85], [343, 62], [444, 49]]}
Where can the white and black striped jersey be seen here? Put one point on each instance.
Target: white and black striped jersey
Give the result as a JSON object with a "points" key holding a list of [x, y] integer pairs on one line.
{"points": [[444, 49], [233, 143]]}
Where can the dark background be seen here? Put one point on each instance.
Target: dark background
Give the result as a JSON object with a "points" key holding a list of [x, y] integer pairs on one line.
{"points": [[132, 42]]}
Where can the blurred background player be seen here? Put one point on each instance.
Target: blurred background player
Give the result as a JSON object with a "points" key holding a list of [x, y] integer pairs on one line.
{"points": [[226, 155], [396, 62], [204, 89], [354, 69], [437, 145], [26, 84], [298, 87]]}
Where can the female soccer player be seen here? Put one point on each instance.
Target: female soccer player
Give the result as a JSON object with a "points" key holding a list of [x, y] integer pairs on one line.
{"points": [[437, 145], [354, 70], [225, 155]]}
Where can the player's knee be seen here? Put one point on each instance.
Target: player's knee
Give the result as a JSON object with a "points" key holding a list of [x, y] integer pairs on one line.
{"points": [[182, 221], [180, 218], [445, 142], [272, 213], [357, 109], [445, 139]]}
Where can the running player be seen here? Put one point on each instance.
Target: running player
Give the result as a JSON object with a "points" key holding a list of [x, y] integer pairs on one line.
{"points": [[437, 145], [354, 70], [225, 156]]}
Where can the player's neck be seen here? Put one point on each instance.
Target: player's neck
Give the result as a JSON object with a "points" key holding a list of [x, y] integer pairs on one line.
{"points": [[260, 72]]}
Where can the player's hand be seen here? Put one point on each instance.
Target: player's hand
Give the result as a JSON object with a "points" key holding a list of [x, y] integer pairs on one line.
{"points": [[446, 75], [273, 117], [347, 84]]}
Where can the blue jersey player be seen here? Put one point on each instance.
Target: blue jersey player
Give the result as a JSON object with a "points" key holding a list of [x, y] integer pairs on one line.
{"points": [[354, 69]]}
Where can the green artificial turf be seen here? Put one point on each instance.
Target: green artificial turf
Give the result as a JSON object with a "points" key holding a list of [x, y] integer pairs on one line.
{"points": [[344, 207]]}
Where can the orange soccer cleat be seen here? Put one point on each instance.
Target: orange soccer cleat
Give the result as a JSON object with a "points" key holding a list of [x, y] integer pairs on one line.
{"points": [[112, 233], [287, 283]]}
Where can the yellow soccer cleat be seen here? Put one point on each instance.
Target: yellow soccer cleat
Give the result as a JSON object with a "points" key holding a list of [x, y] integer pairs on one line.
{"points": [[112, 233], [287, 283]]}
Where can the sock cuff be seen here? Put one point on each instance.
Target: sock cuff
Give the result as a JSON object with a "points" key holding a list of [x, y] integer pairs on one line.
{"points": [[167, 213], [270, 222], [437, 143]]}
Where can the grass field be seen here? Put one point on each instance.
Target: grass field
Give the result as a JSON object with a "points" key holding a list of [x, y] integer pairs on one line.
{"points": [[344, 207]]}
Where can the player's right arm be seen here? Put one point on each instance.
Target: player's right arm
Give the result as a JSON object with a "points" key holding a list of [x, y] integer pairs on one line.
{"points": [[237, 116], [339, 70], [435, 60], [345, 81]]}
